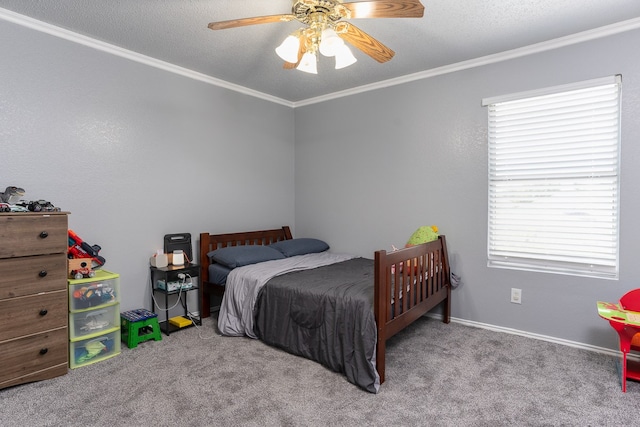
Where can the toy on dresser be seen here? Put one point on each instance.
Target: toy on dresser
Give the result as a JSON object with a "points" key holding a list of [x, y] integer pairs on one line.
{"points": [[12, 195], [9, 197], [11, 201]]}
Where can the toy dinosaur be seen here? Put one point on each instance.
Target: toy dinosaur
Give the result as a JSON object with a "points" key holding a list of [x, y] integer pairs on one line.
{"points": [[12, 195]]}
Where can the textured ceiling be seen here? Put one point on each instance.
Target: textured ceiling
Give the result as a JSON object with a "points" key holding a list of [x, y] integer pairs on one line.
{"points": [[451, 31]]}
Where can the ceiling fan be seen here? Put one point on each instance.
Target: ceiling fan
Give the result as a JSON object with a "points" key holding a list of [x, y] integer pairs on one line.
{"points": [[327, 29]]}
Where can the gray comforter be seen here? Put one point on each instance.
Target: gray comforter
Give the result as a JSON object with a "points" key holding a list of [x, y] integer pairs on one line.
{"points": [[324, 314], [243, 284]]}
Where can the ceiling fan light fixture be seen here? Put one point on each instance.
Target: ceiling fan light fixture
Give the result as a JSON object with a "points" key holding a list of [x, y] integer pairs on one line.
{"points": [[308, 63], [330, 42], [326, 23], [344, 57], [288, 50]]}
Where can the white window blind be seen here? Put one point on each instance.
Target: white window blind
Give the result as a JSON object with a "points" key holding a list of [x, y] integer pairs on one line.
{"points": [[554, 179]]}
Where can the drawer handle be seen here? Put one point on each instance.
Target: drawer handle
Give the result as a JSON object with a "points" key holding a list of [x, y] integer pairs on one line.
{"points": [[44, 235], [42, 273], [44, 350], [43, 312]]}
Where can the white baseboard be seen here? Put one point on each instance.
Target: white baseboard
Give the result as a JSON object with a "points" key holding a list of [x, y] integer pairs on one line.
{"points": [[526, 334]]}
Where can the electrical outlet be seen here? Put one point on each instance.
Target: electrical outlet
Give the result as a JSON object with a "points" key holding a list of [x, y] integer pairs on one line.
{"points": [[516, 296]]}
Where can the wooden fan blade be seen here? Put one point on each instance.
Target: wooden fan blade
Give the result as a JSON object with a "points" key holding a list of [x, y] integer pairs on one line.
{"points": [[386, 9], [366, 43], [232, 23]]}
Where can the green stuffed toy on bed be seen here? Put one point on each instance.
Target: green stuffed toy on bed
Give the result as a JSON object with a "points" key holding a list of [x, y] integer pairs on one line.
{"points": [[422, 235]]}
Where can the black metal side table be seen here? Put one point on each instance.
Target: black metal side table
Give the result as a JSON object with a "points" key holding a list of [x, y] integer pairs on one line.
{"points": [[168, 274]]}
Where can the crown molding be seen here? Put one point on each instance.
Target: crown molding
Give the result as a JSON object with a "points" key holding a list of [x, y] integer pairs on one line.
{"points": [[584, 36], [62, 33]]}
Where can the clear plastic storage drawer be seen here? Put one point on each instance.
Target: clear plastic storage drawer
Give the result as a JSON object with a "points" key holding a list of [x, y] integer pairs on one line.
{"points": [[93, 321], [94, 349], [101, 290]]}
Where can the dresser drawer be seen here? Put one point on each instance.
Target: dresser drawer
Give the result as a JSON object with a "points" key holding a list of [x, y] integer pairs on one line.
{"points": [[24, 356], [32, 275], [33, 234], [33, 314]]}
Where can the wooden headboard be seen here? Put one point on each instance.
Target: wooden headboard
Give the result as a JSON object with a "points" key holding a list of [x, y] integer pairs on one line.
{"points": [[211, 242]]}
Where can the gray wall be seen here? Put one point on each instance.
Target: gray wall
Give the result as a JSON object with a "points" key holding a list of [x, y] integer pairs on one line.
{"points": [[134, 152], [372, 167]]}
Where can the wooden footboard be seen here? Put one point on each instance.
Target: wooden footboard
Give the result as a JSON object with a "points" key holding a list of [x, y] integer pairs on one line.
{"points": [[210, 242], [408, 283]]}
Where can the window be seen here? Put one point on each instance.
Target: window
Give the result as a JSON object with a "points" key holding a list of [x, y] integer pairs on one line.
{"points": [[554, 179]]}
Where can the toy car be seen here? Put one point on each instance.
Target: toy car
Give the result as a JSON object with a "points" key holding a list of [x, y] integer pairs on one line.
{"points": [[39, 206], [82, 273], [5, 207]]}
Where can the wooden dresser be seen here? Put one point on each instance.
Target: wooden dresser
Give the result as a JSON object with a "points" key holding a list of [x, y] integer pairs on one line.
{"points": [[33, 297]]}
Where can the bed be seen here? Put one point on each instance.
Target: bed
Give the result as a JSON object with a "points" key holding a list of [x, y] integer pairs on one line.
{"points": [[387, 294]]}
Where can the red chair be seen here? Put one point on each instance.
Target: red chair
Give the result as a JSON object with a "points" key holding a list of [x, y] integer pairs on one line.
{"points": [[625, 319]]}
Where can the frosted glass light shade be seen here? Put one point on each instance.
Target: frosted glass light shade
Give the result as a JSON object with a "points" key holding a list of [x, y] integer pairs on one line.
{"points": [[344, 57], [308, 63], [288, 50], [330, 42]]}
